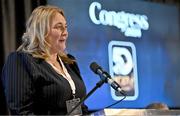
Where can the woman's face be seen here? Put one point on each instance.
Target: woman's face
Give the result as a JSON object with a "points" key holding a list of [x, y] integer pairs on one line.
{"points": [[58, 34]]}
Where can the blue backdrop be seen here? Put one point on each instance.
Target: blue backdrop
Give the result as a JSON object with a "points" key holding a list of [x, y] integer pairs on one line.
{"points": [[157, 50]]}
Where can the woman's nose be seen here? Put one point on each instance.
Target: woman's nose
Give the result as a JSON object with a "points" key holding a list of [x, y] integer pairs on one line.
{"points": [[65, 32]]}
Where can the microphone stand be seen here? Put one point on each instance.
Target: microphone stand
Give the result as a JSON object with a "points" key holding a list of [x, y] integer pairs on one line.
{"points": [[98, 85]]}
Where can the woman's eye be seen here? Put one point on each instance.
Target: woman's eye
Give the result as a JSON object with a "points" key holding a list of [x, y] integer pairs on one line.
{"points": [[58, 27], [61, 28]]}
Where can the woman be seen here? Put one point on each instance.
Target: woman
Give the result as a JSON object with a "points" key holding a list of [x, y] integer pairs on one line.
{"points": [[40, 78]]}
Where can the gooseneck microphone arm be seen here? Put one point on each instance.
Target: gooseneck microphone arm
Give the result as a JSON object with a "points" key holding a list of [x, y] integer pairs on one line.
{"points": [[98, 85]]}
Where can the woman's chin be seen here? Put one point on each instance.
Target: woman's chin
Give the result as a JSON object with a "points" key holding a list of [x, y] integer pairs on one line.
{"points": [[62, 50]]}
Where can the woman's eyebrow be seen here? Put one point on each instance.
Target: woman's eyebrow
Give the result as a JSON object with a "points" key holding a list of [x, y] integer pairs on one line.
{"points": [[60, 23]]}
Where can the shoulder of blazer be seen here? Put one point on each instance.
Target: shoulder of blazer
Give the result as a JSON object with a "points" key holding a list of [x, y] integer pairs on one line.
{"points": [[18, 56], [23, 58]]}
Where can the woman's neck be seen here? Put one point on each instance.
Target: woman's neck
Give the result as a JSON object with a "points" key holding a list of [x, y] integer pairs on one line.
{"points": [[53, 57]]}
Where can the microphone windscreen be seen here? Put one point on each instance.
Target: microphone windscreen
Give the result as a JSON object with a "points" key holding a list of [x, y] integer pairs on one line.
{"points": [[94, 67]]}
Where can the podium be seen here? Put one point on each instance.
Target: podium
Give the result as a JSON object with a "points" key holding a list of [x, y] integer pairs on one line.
{"points": [[136, 112]]}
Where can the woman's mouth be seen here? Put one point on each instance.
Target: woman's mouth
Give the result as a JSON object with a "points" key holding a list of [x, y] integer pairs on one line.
{"points": [[62, 40]]}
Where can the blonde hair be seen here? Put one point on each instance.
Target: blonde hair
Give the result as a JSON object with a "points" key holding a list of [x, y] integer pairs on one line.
{"points": [[37, 28]]}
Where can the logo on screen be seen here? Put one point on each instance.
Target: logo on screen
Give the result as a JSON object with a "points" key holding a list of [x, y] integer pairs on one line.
{"points": [[123, 68], [130, 24]]}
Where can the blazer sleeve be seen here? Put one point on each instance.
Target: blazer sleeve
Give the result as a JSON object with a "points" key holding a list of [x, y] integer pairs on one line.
{"points": [[17, 83]]}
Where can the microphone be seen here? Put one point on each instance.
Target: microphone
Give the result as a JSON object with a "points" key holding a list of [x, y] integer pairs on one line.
{"points": [[104, 75]]}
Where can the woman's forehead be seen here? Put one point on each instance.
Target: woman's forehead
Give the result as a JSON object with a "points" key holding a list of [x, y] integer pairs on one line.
{"points": [[59, 19]]}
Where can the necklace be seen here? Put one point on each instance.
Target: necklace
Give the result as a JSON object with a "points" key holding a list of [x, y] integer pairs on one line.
{"points": [[56, 65]]}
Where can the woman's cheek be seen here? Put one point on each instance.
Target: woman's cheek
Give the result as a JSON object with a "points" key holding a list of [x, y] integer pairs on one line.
{"points": [[56, 33]]}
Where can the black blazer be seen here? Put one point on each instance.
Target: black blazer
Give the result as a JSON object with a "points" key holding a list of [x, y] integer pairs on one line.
{"points": [[32, 86]]}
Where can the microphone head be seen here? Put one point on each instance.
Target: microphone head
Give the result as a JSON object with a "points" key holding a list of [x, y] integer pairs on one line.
{"points": [[94, 67]]}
